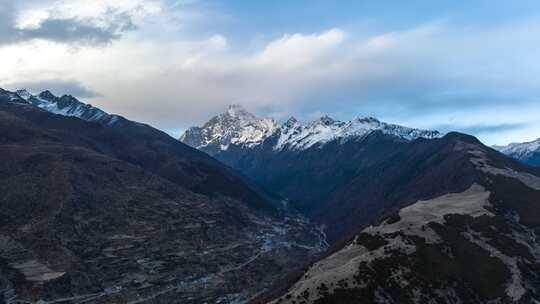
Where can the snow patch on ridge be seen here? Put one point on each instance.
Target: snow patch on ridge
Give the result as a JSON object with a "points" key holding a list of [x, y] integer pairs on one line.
{"points": [[74, 110], [24, 94], [66, 105], [325, 129]]}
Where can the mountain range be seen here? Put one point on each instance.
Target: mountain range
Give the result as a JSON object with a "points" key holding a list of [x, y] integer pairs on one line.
{"points": [[106, 210], [66, 105], [468, 234], [96, 208], [321, 167], [527, 152], [237, 128], [412, 216]]}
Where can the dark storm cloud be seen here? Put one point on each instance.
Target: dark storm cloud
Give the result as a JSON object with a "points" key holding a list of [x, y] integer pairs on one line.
{"points": [[84, 31], [57, 87]]}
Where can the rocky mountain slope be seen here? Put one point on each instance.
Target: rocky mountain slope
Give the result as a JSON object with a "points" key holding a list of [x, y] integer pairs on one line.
{"points": [[411, 219], [527, 152], [468, 234], [234, 127], [102, 209], [113, 211], [325, 167]]}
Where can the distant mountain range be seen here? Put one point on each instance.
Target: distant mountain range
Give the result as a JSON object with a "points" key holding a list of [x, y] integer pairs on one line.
{"points": [[106, 210], [66, 105], [241, 129], [412, 216], [527, 152]]}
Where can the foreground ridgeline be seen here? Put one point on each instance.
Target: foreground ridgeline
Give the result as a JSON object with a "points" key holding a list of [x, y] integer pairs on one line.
{"points": [[412, 216], [95, 208]]}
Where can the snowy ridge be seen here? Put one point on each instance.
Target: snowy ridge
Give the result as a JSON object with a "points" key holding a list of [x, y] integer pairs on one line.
{"points": [[66, 105], [520, 150], [10, 97], [24, 94], [241, 128], [325, 129]]}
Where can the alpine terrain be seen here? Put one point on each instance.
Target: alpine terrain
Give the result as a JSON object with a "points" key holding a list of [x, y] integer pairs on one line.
{"points": [[527, 152], [314, 157], [99, 209], [471, 234], [412, 216], [322, 168]]}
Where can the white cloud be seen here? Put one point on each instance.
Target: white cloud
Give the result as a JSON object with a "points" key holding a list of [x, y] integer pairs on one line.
{"points": [[424, 76], [297, 50]]}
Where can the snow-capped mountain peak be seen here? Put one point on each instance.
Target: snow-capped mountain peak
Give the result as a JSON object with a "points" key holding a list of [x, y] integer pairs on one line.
{"points": [[24, 94], [527, 152], [241, 128], [236, 126], [47, 95], [67, 105], [7, 96], [327, 129], [324, 120], [291, 122], [520, 149]]}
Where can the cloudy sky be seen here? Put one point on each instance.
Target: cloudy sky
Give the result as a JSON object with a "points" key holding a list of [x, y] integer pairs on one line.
{"points": [[471, 66]]}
